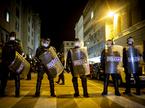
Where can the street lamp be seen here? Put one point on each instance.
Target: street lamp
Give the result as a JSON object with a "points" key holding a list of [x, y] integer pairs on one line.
{"points": [[111, 25], [111, 14]]}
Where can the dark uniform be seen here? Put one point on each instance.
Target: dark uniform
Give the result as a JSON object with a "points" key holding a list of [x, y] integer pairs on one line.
{"points": [[144, 55], [41, 70], [109, 61], [8, 56], [70, 67], [1, 45], [131, 66]]}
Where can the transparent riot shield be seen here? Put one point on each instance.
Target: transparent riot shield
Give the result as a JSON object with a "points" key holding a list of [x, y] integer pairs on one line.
{"points": [[140, 51], [20, 65], [114, 59], [80, 61], [134, 58], [51, 62], [119, 49]]}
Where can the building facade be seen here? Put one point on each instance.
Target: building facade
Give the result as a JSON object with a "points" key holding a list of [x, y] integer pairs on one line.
{"points": [[10, 18], [17, 16], [127, 20], [79, 30], [66, 46]]}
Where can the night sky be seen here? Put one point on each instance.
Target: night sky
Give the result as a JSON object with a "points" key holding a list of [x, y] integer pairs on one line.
{"points": [[59, 18]]}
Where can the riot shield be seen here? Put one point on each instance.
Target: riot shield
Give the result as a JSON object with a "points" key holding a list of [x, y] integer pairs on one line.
{"points": [[80, 61], [114, 59], [139, 48], [119, 49], [134, 59], [140, 51], [26, 68], [51, 62], [20, 65]]}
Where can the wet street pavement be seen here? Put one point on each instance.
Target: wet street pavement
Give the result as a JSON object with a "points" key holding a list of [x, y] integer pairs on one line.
{"points": [[64, 96]]}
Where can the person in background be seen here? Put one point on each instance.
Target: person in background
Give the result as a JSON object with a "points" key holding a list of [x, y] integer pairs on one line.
{"points": [[109, 64], [61, 76], [29, 59]]}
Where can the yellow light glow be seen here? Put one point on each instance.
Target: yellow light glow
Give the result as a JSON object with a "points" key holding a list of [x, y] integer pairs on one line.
{"points": [[111, 13]]}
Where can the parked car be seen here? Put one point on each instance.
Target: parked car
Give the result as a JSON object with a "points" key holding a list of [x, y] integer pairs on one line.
{"points": [[95, 71]]}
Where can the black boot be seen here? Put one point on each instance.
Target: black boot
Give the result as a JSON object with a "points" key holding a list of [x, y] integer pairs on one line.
{"points": [[84, 85], [37, 93], [75, 85], [17, 85], [51, 82], [62, 78], [4, 80], [127, 85], [106, 81], [137, 84], [17, 93], [115, 81]]}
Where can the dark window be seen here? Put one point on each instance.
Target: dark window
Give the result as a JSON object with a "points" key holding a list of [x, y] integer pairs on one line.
{"points": [[129, 17], [17, 12], [18, 2], [67, 43], [17, 26]]}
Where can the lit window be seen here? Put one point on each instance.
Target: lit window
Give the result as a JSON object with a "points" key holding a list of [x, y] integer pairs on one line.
{"points": [[92, 14], [7, 16]]}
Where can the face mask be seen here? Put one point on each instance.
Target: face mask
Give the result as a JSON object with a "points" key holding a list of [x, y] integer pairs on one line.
{"points": [[12, 38], [45, 45], [130, 42], [109, 45], [77, 44]]}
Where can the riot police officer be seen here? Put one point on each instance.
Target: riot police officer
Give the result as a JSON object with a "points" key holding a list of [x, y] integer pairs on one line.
{"points": [[1, 46], [131, 65], [144, 54], [70, 67], [109, 62], [45, 45], [8, 56]]}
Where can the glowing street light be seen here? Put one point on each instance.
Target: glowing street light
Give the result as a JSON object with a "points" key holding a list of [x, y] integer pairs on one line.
{"points": [[112, 25], [111, 14]]}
